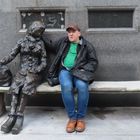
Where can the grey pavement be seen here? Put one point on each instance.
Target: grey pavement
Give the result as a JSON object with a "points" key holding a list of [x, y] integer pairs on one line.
{"points": [[48, 123]]}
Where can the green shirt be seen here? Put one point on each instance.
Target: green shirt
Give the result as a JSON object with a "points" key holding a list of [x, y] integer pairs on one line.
{"points": [[71, 55]]}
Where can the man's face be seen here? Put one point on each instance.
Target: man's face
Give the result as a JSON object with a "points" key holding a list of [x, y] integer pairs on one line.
{"points": [[73, 35]]}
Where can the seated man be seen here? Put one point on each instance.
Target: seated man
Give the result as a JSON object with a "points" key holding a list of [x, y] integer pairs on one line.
{"points": [[74, 67], [32, 63]]}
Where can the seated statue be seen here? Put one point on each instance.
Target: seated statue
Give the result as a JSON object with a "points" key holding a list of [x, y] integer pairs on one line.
{"points": [[32, 62]]}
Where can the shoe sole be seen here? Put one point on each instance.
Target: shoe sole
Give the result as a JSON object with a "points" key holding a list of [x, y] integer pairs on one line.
{"points": [[15, 131], [79, 130], [5, 130], [70, 131]]}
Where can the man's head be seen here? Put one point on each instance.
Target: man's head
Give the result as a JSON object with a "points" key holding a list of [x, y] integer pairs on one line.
{"points": [[73, 33]]}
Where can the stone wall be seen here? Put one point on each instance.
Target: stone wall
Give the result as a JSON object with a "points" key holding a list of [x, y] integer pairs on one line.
{"points": [[118, 50]]}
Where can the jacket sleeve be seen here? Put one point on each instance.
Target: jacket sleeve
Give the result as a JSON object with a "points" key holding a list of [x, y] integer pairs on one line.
{"points": [[92, 61], [11, 56], [52, 46]]}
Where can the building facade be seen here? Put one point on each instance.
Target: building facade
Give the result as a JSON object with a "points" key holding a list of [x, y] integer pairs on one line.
{"points": [[113, 27]]}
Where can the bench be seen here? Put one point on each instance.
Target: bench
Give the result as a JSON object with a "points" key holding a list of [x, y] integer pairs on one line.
{"points": [[97, 86]]}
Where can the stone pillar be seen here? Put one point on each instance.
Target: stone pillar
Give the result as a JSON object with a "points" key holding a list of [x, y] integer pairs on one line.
{"points": [[2, 104]]}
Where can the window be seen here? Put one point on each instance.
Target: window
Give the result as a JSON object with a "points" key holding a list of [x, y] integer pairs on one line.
{"points": [[106, 18]]}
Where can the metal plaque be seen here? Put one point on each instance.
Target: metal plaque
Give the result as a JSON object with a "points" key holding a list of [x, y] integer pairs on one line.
{"points": [[52, 19]]}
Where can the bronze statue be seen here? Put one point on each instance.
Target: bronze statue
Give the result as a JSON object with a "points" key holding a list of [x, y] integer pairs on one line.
{"points": [[32, 62]]}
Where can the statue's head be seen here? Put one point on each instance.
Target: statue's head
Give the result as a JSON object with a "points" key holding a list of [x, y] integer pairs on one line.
{"points": [[36, 29]]}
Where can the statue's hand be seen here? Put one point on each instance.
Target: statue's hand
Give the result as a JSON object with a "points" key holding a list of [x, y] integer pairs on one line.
{"points": [[38, 69], [34, 70]]}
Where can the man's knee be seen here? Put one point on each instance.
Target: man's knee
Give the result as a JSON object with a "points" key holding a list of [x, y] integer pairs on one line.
{"points": [[66, 86], [81, 85]]}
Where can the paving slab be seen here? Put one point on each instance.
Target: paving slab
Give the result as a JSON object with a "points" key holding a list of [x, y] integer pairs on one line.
{"points": [[111, 123]]}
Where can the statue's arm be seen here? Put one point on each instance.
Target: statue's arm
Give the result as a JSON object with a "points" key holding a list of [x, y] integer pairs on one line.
{"points": [[43, 63], [11, 56]]}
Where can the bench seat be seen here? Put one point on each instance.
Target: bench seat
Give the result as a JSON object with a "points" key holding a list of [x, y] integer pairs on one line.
{"points": [[117, 86]]}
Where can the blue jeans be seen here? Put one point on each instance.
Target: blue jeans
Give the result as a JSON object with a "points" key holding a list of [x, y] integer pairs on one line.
{"points": [[68, 82]]}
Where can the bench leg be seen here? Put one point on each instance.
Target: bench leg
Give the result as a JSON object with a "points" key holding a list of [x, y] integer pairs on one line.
{"points": [[2, 104]]}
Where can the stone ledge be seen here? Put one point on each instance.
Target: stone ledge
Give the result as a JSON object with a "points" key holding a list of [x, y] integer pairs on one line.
{"points": [[116, 86]]}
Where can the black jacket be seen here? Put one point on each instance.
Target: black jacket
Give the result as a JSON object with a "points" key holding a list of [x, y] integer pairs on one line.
{"points": [[85, 64]]}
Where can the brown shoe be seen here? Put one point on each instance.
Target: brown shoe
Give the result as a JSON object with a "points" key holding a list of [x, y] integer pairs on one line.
{"points": [[80, 127], [71, 126]]}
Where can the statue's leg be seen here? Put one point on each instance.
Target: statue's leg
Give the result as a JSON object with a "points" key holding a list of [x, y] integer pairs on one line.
{"points": [[28, 89], [9, 123], [20, 114], [2, 104]]}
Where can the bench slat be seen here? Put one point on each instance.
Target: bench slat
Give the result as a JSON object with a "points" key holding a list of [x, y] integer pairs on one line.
{"points": [[121, 86], [115, 86]]}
